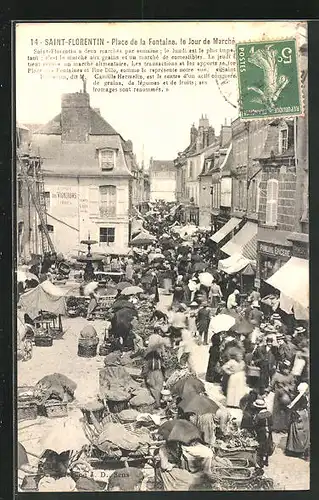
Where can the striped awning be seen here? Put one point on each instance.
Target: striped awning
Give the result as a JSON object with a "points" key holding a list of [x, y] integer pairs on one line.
{"points": [[225, 230], [244, 242]]}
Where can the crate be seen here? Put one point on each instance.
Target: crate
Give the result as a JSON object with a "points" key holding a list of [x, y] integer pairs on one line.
{"points": [[55, 409], [27, 410], [43, 341]]}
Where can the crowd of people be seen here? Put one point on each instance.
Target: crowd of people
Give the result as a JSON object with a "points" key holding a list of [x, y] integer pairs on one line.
{"points": [[260, 364]]}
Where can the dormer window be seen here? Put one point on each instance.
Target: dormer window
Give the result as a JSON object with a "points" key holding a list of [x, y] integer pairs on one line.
{"points": [[283, 140], [107, 158]]}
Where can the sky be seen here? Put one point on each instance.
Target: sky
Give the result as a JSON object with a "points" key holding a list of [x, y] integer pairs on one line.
{"points": [[158, 124]]}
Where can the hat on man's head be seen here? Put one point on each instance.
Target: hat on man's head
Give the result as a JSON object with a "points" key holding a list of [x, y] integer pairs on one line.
{"points": [[300, 330], [260, 404], [193, 304], [255, 303], [280, 336], [276, 316], [236, 292]]}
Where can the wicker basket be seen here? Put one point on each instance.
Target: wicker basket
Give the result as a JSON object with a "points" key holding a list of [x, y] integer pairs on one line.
{"points": [[104, 349], [43, 340], [27, 410], [117, 406], [55, 409], [97, 410], [87, 348], [249, 454]]}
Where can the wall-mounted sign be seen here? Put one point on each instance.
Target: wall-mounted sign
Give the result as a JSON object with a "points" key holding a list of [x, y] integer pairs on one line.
{"points": [[64, 201], [274, 250]]}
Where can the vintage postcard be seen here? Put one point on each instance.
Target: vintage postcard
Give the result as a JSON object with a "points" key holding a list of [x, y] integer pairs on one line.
{"points": [[162, 272]]}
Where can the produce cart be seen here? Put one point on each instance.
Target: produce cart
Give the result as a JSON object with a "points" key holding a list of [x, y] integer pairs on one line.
{"points": [[52, 323]]}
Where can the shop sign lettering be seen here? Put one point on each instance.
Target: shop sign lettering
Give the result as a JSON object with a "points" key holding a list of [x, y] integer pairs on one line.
{"points": [[274, 250]]}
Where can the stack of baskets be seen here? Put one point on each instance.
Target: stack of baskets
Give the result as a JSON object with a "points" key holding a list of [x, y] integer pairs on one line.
{"points": [[27, 406], [87, 348], [88, 342]]}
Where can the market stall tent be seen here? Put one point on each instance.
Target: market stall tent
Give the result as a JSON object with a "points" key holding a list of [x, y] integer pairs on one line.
{"points": [[45, 297], [292, 280]]}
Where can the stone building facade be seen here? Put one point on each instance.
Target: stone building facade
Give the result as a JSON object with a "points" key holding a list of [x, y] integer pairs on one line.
{"points": [[88, 176]]}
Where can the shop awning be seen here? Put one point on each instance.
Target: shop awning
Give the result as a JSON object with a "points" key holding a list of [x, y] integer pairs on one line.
{"points": [[244, 242], [292, 279], [234, 264], [226, 229]]}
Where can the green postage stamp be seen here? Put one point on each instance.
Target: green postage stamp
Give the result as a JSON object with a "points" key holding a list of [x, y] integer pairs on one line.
{"points": [[268, 79]]}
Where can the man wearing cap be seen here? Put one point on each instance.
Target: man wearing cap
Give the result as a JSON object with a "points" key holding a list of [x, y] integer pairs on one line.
{"points": [[203, 320], [265, 357], [285, 351]]}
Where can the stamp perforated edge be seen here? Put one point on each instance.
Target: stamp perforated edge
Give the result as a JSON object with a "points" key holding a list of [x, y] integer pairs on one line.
{"points": [[266, 39]]}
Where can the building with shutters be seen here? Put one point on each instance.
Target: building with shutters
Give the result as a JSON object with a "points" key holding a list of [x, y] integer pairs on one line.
{"points": [[88, 176]]}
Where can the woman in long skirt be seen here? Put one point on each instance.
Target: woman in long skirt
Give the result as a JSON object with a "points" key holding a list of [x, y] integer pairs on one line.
{"points": [[298, 441], [213, 373]]}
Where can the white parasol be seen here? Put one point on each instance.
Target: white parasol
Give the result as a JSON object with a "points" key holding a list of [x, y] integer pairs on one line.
{"points": [[66, 435], [90, 288], [206, 279], [220, 323], [23, 276]]}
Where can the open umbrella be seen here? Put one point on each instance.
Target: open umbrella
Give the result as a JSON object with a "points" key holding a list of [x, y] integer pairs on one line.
{"points": [[243, 327], [66, 435], [188, 385], [123, 284], [23, 276], [206, 279], [132, 290], [198, 404], [221, 323], [143, 238], [179, 430], [90, 287]]}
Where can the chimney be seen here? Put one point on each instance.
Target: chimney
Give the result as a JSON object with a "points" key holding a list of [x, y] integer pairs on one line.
{"points": [[225, 135], [129, 145], [75, 117], [211, 135], [193, 134]]}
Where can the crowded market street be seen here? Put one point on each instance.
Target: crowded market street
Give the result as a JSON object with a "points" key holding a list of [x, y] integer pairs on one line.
{"points": [[146, 339]]}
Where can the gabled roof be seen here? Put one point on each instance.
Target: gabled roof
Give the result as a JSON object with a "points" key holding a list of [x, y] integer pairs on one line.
{"points": [[98, 126], [157, 165]]}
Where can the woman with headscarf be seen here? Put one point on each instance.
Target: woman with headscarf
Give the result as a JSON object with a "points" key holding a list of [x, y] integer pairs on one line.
{"points": [[92, 306], [283, 385], [298, 440], [153, 368]]}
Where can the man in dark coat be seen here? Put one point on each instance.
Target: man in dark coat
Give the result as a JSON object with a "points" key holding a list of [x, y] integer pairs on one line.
{"points": [[203, 320], [256, 314], [266, 357]]}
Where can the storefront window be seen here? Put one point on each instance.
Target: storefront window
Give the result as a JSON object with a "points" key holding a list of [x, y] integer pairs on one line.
{"points": [[269, 266]]}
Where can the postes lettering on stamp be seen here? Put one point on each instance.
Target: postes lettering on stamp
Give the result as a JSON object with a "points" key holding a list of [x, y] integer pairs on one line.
{"points": [[268, 79]]}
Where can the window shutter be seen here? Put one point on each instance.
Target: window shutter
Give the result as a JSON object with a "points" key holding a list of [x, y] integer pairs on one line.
{"points": [[94, 200], [272, 202]]}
